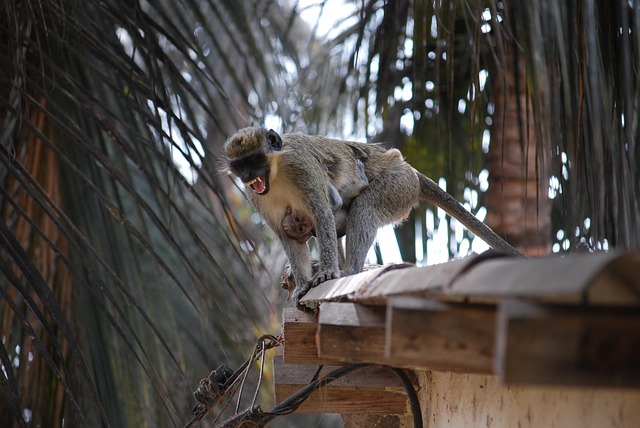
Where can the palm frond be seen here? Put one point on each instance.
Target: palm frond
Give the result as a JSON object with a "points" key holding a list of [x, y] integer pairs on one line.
{"points": [[123, 279], [583, 58], [580, 87]]}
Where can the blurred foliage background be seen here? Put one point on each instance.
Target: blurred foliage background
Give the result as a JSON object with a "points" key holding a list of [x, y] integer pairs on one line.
{"points": [[130, 267]]}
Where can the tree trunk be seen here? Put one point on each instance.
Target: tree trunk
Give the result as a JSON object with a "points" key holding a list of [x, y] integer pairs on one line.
{"points": [[518, 204]]}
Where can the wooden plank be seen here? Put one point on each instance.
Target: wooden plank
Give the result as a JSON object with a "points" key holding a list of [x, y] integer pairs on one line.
{"points": [[427, 281], [373, 390], [572, 279], [553, 345], [349, 286], [440, 336], [596, 279], [299, 329], [377, 421], [618, 283], [351, 332]]}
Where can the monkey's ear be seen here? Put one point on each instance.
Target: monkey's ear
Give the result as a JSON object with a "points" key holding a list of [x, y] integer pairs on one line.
{"points": [[274, 139]]}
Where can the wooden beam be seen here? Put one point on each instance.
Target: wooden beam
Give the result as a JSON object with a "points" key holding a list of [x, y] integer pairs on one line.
{"points": [[440, 336], [579, 346], [595, 279], [352, 333], [376, 285], [299, 329], [372, 390]]}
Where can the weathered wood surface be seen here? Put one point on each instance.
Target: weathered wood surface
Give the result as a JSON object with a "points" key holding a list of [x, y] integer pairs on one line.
{"points": [[376, 285], [565, 336], [595, 279], [377, 421], [351, 332], [299, 329], [474, 400], [539, 344], [372, 390], [442, 336]]}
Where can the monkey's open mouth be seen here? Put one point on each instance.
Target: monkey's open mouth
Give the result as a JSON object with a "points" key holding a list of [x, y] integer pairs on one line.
{"points": [[260, 184]]}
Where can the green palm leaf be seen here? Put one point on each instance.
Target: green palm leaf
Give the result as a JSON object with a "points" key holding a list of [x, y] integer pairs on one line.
{"points": [[123, 280]]}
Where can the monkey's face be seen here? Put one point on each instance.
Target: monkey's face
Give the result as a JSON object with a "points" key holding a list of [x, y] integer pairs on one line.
{"points": [[248, 151]]}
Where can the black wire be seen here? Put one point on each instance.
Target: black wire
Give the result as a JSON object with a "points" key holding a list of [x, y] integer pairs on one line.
{"points": [[315, 376], [291, 404], [413, 397]]}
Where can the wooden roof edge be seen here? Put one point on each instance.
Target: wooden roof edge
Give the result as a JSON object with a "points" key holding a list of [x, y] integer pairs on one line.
{"points": [[587, 278], [520, 341]]}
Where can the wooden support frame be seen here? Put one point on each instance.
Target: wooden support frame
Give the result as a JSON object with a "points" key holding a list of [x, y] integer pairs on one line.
{"points": [[602, 279], [410, 332], [299, 330], [352, 333], [576, 346], [441, 336], [573, 332], [371, 390]]}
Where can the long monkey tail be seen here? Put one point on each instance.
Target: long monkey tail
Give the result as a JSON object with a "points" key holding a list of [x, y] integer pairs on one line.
{"points": [[432, 193]]}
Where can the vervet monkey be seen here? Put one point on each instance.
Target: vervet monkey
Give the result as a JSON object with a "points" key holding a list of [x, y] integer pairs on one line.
{"points": [[291, 172], [297, 226]]}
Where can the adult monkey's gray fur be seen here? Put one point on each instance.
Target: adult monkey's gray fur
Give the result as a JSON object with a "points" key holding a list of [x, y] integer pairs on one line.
{"points": [[291, 172]]}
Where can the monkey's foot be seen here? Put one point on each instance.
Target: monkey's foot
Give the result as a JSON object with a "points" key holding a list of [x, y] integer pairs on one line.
{"points": [[318, 278], [299, 293], [287, 280], [322, 276]]}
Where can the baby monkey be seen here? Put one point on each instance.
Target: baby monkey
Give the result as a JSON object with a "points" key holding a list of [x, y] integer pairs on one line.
{"points": [[299, 227]]}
